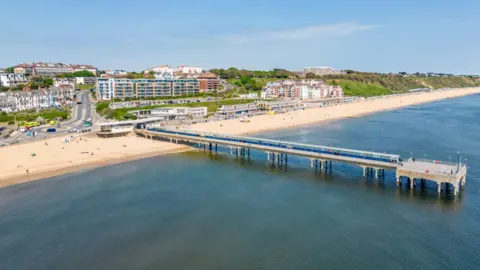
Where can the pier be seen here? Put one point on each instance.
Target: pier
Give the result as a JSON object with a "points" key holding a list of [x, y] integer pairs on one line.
{"points": [[412, 172]]}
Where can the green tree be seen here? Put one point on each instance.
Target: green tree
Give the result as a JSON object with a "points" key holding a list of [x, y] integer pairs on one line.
{"points": [[9, 70], [47, 82]]}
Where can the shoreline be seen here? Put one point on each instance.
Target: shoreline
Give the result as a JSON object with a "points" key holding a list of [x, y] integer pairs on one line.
{"points": [[357, 109], [55, 157], [52, 157], [85, 166]]}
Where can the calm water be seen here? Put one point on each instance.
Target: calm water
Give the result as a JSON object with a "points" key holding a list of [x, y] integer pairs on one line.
{"points": [[195, 211]]}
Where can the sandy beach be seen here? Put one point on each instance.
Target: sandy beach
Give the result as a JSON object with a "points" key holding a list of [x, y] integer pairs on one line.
{"points": [[47, 158], [51, 157], [316, 115]]}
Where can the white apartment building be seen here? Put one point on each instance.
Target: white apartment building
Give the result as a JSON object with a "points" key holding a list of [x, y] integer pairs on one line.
{"points": [[301, 89], [189, 70], [160, 69], [12, 79]]}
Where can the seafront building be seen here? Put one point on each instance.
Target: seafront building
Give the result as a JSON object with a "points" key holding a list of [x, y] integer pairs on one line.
{"points": [[179, 113], [227, 111], [110, 88], [36, 99], [172, 113], [301, 89]]}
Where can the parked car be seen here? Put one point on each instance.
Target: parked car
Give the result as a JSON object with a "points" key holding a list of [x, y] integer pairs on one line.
{"points": [[72, 130]]}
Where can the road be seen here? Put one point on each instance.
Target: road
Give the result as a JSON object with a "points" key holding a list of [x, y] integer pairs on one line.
{"points": [[226, 86], [80, 112]]}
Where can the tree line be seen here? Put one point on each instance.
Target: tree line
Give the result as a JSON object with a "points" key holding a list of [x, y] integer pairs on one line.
{"points": [[234, 73]]}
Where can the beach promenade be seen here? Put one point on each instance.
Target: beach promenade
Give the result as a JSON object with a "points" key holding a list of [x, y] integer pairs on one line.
{"points": [[42, 159]]}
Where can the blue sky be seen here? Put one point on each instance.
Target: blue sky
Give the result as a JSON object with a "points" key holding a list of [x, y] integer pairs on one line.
{"points": [[368, 35]]}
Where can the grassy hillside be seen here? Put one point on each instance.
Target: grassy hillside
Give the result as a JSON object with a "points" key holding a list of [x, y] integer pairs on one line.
{"points": [[371, 84], [351, 88]]}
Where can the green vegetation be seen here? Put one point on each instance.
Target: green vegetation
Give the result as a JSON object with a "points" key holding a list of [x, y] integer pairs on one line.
{"points": [[351, 88], [32, 115], [234, 73], [39, 82], [122, 114], [9, 70], [82, 73], [248, 84], [84, 86], [372, 84]]}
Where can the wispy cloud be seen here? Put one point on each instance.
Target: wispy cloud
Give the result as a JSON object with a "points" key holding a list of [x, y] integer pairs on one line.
{"points": [[340, 29]]}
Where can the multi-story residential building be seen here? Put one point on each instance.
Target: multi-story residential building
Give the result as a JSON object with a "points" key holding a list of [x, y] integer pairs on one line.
{"points": [[110, 88], [44, 98], [51, 69], [301, 89], [12, 79], [319, 71], [160, 69], [208, 82], [23, 69], [189, 71]]}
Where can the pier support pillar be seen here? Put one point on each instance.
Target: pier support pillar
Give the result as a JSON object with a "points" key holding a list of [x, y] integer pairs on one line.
{"points": [[286, 158], [216, 147], [412, 183], [231, 151], [268, 155], [376, 173], [248, 152], [363, 171], [439, 189], [311, 163], [398, 181]]}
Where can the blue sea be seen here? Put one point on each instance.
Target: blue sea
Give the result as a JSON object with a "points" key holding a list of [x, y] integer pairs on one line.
{"points": [[199, 210]]}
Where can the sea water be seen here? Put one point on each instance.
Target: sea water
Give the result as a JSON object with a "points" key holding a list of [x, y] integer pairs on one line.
{"points": [[213, 211]]}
